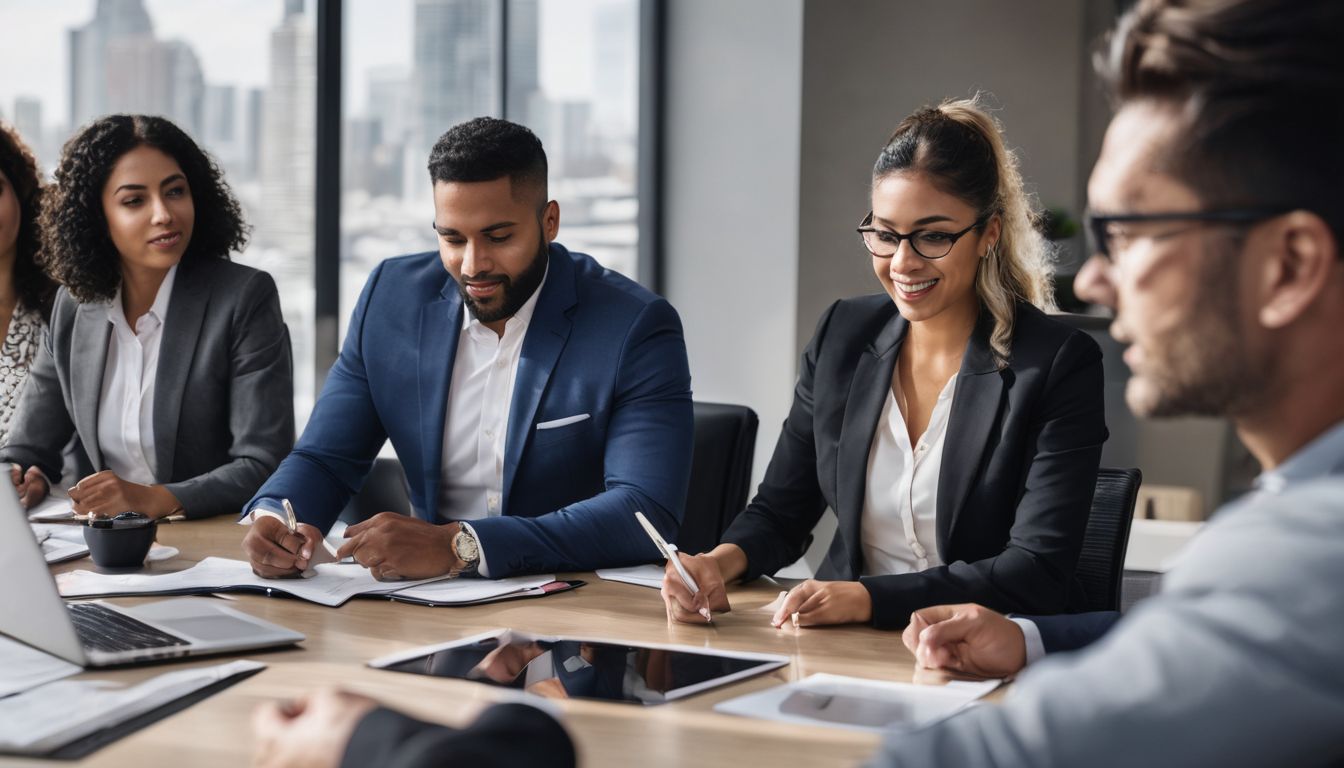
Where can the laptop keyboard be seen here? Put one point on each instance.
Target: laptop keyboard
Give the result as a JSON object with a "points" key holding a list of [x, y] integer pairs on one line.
{"points": [[103, 629]]}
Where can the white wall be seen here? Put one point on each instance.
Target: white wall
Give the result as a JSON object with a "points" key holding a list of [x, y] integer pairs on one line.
{"points": [[869, 63], [730, 195]]}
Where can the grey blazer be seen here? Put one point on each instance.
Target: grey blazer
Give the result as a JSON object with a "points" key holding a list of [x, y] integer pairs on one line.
{"points": [[223, 393], [1238, 662]]}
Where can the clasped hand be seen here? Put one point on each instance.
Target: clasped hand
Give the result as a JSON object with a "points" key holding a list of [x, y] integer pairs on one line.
{"points": [[393, 547]]}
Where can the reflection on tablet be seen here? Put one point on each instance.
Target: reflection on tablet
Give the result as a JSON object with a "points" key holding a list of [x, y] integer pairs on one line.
{"points": [[561, 667]]}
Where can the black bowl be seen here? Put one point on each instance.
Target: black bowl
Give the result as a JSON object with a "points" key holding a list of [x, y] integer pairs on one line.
{"points": [[121, 542]]}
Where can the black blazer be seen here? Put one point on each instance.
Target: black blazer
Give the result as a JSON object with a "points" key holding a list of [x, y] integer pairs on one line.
{"points": [[223, 392], [505, 735], [1019, 463]]}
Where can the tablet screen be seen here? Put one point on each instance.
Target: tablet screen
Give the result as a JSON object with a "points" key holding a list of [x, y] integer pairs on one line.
{"points": [[559, 667]]}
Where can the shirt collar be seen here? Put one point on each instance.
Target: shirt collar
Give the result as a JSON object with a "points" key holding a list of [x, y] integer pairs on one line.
{"points": [[520, 319], [116, 313], [1322, 457]]}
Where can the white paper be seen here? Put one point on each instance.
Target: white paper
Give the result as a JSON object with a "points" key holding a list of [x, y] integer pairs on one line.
{"points": [[56, 714], [53, 508], [60, 542], [331, 584], [23, 667], [908, 704], [639, 575], [473, 590]]}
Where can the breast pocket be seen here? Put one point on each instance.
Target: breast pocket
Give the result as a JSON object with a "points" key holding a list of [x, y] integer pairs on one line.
{"points": [[554, 431]]}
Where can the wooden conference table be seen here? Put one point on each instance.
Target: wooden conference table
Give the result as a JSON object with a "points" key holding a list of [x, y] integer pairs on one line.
{"points": [[217, 731]]}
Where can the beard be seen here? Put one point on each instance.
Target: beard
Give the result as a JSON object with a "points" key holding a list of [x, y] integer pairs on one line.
{"points": [[1203, 366], [514, 292]]}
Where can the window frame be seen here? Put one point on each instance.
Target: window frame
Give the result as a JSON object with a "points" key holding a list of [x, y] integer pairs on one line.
{"points": [[327, 182]]}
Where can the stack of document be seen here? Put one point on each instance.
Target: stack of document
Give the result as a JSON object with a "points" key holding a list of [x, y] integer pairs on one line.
{"points": [[330, 584], [60, 542], [639, 575], [23, 667], [48, 718]]}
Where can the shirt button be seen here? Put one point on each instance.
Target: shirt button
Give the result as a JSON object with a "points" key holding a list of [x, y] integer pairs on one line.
{"points": [[490, 434], [501, 362], [492, 502]]}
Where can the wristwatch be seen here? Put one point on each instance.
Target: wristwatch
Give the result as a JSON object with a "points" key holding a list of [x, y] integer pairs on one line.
{"points": [[466, 549]]}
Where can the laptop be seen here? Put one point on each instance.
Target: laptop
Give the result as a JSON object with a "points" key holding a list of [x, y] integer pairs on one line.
{"points": [[98, 634]]}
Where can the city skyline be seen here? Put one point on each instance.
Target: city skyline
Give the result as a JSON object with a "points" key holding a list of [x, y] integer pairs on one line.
{"points": [[121, 56]]}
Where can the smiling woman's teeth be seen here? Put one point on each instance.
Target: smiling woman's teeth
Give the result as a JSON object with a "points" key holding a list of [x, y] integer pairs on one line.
{"points": [[917, 287]]}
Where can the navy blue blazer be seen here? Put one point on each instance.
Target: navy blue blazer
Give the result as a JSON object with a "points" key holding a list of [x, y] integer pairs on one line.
{"points": [[598, 344], [1071, 631], [1019, 463]]}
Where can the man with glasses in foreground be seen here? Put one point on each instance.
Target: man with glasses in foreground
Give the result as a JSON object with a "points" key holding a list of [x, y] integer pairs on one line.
{"points": [[1217, 227]]}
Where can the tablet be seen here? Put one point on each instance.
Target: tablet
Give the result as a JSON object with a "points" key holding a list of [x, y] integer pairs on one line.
{"points": [[584, 668]]}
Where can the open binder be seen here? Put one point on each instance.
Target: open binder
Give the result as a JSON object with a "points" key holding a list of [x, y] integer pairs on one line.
{"points": [[331, 584]]}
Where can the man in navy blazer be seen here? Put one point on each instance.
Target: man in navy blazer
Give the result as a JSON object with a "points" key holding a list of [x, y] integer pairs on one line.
{"points": [[535, 399]]}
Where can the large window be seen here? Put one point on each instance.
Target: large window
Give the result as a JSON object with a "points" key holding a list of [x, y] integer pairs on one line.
{"points": [[567, 69], [238, 75], [250, 80]]}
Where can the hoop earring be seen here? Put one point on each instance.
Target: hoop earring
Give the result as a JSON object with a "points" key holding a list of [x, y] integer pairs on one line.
{"points": [[991, 252]]}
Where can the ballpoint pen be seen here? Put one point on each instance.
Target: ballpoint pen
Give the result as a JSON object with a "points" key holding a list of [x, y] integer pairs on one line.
{"points": [[290, 519], [669, 553]]}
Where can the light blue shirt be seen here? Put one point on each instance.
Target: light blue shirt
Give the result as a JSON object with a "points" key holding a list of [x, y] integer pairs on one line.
{"points": [[1239, 661]]}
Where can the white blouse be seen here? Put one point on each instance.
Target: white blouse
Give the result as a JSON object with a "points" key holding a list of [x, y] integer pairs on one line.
{"points": [[126, 406], [16, 357], [898, 528]]}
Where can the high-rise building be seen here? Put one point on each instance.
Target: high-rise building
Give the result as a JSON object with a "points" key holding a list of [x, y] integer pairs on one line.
{"points": [[456, 55], [524, 100], [113, 21], [116, 65], [287, 138]]}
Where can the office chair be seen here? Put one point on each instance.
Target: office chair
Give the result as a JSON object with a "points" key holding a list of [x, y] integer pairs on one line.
{"points": [[725, 441], [384, 490], [1101, 564]]}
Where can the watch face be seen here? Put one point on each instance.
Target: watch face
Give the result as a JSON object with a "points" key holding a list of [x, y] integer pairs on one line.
{"points": [[465, 544]]}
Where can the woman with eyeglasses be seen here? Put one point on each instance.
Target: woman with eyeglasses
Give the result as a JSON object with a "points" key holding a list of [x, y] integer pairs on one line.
{"points": [[25, 292], [953, 427], [168, 362]]}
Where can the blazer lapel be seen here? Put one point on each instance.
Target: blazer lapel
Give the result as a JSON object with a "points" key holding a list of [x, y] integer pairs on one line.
{"points": [[975, 411], [89, 357], [177, 348], [440, 326], [867, 394], [546, 337]]}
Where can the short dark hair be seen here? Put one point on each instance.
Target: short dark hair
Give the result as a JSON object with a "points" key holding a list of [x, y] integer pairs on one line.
{"points": [[1259, 87], [487, 148], [78, 249], [34, 288]]}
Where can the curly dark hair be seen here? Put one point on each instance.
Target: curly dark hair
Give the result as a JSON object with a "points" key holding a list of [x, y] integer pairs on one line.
{"points": [[34, 288], [78, 250]]}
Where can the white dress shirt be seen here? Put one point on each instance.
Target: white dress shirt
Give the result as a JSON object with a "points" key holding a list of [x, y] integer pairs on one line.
{"points": [[126, 406], [477, 422], [900, 508]]}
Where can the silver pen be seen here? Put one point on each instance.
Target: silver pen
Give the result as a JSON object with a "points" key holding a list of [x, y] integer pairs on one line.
{"points": [[290, 519]]}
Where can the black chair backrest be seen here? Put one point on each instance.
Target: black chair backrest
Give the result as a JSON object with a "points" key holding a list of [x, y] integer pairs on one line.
{"points": [[725, 441], [1101, 564], [384, 490]]}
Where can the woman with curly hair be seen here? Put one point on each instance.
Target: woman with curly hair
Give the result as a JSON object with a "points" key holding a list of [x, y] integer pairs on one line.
{"points": [[170, 363], [954, 428], [25, 292]]}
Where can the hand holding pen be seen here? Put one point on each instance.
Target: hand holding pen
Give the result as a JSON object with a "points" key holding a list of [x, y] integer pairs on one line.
{"points": [[693, 588]]}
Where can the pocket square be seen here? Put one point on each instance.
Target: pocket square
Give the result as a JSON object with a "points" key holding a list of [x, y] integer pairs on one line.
{"points": [[562, 422]]}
